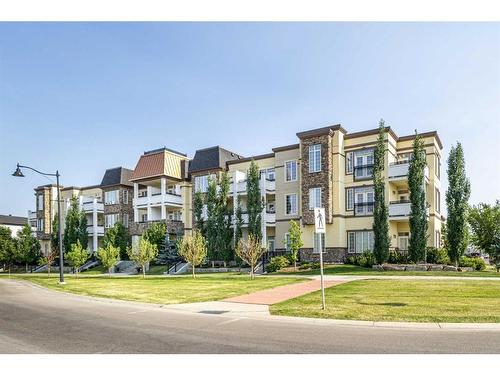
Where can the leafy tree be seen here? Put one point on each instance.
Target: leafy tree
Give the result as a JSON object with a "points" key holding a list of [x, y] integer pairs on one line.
{"points": [[255, 204], [224, 233], [211, 222], [54, 236], [75, 228], [418, 213], [48, 259], [295, 241], [484, 220], [156, 234], [143, 253], [238, 232], [28, 246], [250, 251], [380, 211], [457, 197], [117, 236], [109, 255], [193, 249], [77, 256], [8, 248], [198, 211]]}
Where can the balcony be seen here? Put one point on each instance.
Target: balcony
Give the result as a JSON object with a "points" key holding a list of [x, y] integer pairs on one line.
{"points": [[399, 171], [400, 210], [88, 205], [363, 208], [269, 218], [265, 184], [363, 172], [31, 215], [99, 231], [157, 199]]}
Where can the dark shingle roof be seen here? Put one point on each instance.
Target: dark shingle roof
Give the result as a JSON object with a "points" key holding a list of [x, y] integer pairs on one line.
{"points": [[116, 176], [211, 158], [13, 220]]}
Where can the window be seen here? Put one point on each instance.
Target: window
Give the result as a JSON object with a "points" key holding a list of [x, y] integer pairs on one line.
{"points": [[40, 202], [270, 243], [291, 204], [359, 241], [111, 197], [270, 174], [438, 239], [40, 225], [291, 170], [314, 158], [363, 163], [314, 198], [317, 239], [349, 199], [125, 220], [125, 196], [144, 218], [438, 201], [201, 183], [348, 163], [110, 220], [287, 241], [438, 166]]}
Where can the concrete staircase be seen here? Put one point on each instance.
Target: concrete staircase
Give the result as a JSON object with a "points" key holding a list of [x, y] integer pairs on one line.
{"points": [[179, 268], [126, 267]]}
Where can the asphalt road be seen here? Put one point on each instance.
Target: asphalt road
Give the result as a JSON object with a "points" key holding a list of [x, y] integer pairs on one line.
{"points": [[36, 320]]}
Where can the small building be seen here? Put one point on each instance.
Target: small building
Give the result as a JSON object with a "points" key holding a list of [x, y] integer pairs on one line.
{"points": [[14, 223]]}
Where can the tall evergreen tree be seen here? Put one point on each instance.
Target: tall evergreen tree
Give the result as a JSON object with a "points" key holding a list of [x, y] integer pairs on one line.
{"points": [[418, 214], [211, 222], [457, 197], [83, 235], [254, 202], [71, 225], [54, 236], [380, 211], [223, 220], [117, 236], [198, 212], [238, 232]]}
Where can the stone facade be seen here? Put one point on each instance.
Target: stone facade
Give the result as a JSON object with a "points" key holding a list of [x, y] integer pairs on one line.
{"points": [[322, 179], [331, 255], [121, 207], [45, 213], [174, 227]]}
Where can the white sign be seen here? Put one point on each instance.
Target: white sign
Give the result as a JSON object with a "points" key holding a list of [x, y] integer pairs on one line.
{"points": [[319, 220]]}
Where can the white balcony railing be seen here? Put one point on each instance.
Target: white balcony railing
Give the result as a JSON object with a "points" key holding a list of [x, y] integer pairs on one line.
{"points": [[270, 218], [158, 199], [241, 186], [400, 171], [399, 210], [100, 230], [88, 206]]}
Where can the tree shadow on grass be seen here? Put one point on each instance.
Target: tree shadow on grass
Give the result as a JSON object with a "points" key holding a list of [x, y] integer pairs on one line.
{"points": [[392, 304]]}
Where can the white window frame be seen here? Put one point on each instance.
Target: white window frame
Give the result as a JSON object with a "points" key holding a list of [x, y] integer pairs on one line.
{"points": [[111, 197], [361, 238], [316, 243], [125, 196], [349, 203], [315, 158], [201, 183], [438, 201], [271, 172], [291, 206], [314, 198], [351, 242], [287, 241], [40, 202], [110, 220], [286, 168], [125, 220]]}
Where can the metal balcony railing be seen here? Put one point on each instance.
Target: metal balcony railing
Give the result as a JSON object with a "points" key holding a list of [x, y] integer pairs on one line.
{"points": [[363, 208]]}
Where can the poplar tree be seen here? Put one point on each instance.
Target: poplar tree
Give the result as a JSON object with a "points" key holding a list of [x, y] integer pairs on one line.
{"points": [[254, 202], [211, 222], [457, 197], [380, 211], [418, 214], [198, 212], [75, 227]]}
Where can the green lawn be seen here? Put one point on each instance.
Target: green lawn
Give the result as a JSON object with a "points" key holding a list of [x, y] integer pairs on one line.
{"points": [[402, 300], [164, 290], [156, 270], [348, 269], [95, 270]]}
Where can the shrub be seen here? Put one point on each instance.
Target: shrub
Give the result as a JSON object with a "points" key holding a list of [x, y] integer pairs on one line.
{"points": [[367, 259], [353, 259], [277, 263], [305, 266], [443, 257], [432, 255], [477, 264], [315, 265], [396, 257]]}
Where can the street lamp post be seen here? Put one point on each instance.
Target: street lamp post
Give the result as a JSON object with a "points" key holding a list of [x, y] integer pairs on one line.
{"points": [[19, 173]]}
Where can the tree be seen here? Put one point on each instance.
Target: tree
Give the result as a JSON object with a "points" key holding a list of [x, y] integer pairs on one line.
{"points": [[156, 234], [75, 227], [143, 253], [54, 236], [295, 235], [250, 251], [254, 202], [238, 232], [224, 233], [484, 221], [48, 259], [117, 236], [28, 246], [211, 222], [198, 211], [418, 211], [457, 197], [8, 248], [108, 255], [380, 210], [193, 249], [77, 256]]}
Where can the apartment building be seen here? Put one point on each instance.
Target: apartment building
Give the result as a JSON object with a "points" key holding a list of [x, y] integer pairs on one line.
{"points": [[161, 192], [102, 204]]}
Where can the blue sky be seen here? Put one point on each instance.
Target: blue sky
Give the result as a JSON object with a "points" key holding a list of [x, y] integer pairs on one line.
{"points": [[83, 97]]}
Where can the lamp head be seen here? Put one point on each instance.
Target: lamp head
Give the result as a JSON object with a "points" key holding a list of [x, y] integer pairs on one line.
{"points": [[18, 172]]}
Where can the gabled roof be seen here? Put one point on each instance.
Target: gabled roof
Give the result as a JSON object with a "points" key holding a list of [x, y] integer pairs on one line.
{"points": [[211, 158], [157, 163], [13, 220], [117, 176]]}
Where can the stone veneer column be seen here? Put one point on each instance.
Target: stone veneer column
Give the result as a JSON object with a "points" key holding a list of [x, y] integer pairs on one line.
{"points": [[134, 202]]}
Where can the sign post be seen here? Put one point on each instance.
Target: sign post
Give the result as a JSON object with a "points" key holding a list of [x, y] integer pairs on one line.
{"points": [[319, 227]]}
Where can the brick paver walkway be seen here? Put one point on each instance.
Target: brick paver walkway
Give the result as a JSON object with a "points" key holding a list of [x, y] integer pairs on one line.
{"points": [[282, 293]]}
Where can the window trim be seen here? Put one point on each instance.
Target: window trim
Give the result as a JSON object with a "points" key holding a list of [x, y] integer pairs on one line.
{"points": [[296, 170], [296, 205], [347, 200], [311, 150], [320, 196], [355, 232], [323, 243], [347, 154]]}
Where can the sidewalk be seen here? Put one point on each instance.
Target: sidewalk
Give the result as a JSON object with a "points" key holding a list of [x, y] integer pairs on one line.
{"points": [[282, 293]]}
